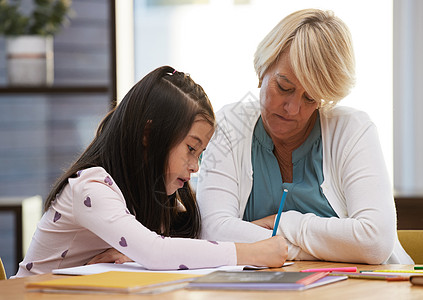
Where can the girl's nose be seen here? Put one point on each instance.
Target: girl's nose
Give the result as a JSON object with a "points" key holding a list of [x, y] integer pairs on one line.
{"points": [[193, 165]]}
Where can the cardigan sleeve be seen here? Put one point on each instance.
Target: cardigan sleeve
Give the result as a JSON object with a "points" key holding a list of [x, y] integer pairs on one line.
{"points": [[358, 187], [100, 207]]}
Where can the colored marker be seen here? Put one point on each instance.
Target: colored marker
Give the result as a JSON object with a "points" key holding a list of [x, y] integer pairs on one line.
{"points": [[278, 217], [345, 269], [395, 271], [357, 275]]}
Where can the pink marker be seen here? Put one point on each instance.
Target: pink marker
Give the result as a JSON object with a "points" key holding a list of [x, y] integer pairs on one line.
{"points": [[346, 269]]}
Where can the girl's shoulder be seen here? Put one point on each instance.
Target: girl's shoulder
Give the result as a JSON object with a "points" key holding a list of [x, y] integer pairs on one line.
{"points": [[91, 173], [93, 178]]}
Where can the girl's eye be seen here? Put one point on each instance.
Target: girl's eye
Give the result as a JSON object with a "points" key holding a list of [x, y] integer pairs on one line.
{"points": [[191, 149]]}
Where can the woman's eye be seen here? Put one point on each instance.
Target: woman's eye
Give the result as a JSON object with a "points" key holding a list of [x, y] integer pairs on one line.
{"points": [[191, 149], [282, 89], [309, 100]]}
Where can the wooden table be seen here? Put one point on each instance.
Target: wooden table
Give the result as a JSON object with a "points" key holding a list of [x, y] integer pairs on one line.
{"points": [[14, 289]]}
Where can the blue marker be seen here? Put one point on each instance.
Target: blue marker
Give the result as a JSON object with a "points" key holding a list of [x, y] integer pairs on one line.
{"points": [[278, 217]]}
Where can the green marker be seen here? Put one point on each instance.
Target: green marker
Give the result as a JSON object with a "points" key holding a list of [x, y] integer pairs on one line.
{"points": [[418, 267]]}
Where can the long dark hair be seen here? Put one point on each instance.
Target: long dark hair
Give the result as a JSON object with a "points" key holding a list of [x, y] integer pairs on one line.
{"points": [[133, 142]]}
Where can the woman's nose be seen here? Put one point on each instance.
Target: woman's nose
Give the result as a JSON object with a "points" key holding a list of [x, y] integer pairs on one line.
{"points": [[292, 104]]}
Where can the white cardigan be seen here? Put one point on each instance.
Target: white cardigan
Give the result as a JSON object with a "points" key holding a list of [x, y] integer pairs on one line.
{"points": [[356, 184]]}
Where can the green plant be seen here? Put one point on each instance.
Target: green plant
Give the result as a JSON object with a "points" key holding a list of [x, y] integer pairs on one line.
{"points": [[46, 18]]}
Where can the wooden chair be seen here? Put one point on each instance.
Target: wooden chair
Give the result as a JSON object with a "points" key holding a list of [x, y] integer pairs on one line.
{"points": [[2, 271], [412, 242]]}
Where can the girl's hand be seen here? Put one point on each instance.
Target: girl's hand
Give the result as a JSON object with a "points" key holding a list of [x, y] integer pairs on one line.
{"points": [[271, 252], [267, 222], [111, 255]]}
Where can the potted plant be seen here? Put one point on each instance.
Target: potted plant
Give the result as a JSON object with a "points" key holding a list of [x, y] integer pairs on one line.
{"points": [[29, 38]]}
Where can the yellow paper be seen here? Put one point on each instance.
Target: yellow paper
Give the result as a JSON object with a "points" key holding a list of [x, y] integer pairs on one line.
{"points": [[114, 281]]}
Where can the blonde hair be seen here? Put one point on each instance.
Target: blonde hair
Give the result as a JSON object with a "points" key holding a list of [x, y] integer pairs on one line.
{"points": [[320, 51]]}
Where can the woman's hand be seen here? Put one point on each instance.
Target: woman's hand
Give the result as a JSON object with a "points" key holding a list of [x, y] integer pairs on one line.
{"points": [[111, 255], [266, 222], [271, 252]]}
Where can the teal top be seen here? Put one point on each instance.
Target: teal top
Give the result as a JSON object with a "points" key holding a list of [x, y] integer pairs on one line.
{"points": [[304, 193]]}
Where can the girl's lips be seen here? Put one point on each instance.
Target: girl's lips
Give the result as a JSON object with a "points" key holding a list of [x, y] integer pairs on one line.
{"points": [[182, 181]]}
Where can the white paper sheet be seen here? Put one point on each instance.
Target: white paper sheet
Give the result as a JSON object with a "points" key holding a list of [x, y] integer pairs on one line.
{"points": [[135, 267]]}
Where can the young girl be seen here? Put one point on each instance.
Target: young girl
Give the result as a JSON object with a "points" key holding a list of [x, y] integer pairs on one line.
{"points": [[129, 190]]}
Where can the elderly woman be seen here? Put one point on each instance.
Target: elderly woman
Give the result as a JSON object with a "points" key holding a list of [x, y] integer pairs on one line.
{"points": [[339, 205]]}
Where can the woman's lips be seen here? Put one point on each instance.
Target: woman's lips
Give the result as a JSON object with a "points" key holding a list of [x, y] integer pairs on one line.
{"points": [[283, 118]]}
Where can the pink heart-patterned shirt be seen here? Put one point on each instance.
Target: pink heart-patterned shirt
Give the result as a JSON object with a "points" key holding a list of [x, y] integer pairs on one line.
{"points": [[90, 216]]}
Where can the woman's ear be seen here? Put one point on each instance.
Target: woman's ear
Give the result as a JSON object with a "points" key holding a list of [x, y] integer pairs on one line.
{"points": [[146, 134]]}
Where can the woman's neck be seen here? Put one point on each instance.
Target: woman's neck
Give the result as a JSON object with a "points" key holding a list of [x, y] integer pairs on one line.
{"points": [[283, 149]]}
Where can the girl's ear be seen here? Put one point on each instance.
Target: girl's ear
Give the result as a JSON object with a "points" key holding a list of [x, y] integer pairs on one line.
{"points": [[146, 134]]}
